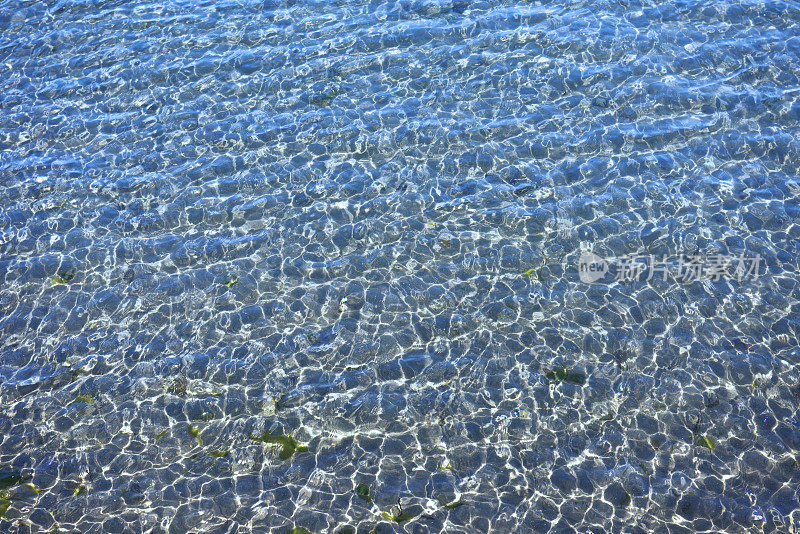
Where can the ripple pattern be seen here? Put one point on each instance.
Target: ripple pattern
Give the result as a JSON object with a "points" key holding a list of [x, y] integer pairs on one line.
{"points": [[285, 264]]}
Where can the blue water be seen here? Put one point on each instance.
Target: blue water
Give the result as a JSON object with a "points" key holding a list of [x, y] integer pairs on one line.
{"points": [[320, 265]]}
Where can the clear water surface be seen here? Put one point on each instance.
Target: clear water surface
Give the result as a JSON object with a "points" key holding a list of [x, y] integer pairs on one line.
{"points": [[359, 224]]}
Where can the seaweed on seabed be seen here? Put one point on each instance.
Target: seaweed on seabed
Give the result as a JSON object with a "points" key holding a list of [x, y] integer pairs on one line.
{"points": [[324, 98], [707, 442], [288, 445], [9, 479], [195, 433], [178, 386], [563, 374], [87, 398], [64, 276], [451, 505], [5, 502], [398, 515], [362, 490]]}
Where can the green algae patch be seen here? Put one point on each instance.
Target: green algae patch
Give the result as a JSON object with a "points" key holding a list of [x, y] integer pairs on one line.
{"points": [[80, 490], [5, 502], [757, 383], [36, 490], [160, 435], [231, 281], [298, 530], [531, 273], [400, 517], [219, 454], [644, 468], [452, 505], [195, 433], [65, 276], [563, 374], [705, 441], [178, 386], [324, 98], [362, 490], [288, 445], [87, 398], [9, 478]]}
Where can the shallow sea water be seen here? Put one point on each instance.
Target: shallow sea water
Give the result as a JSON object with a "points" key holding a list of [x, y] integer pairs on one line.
{"points": [[360, 224]]}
